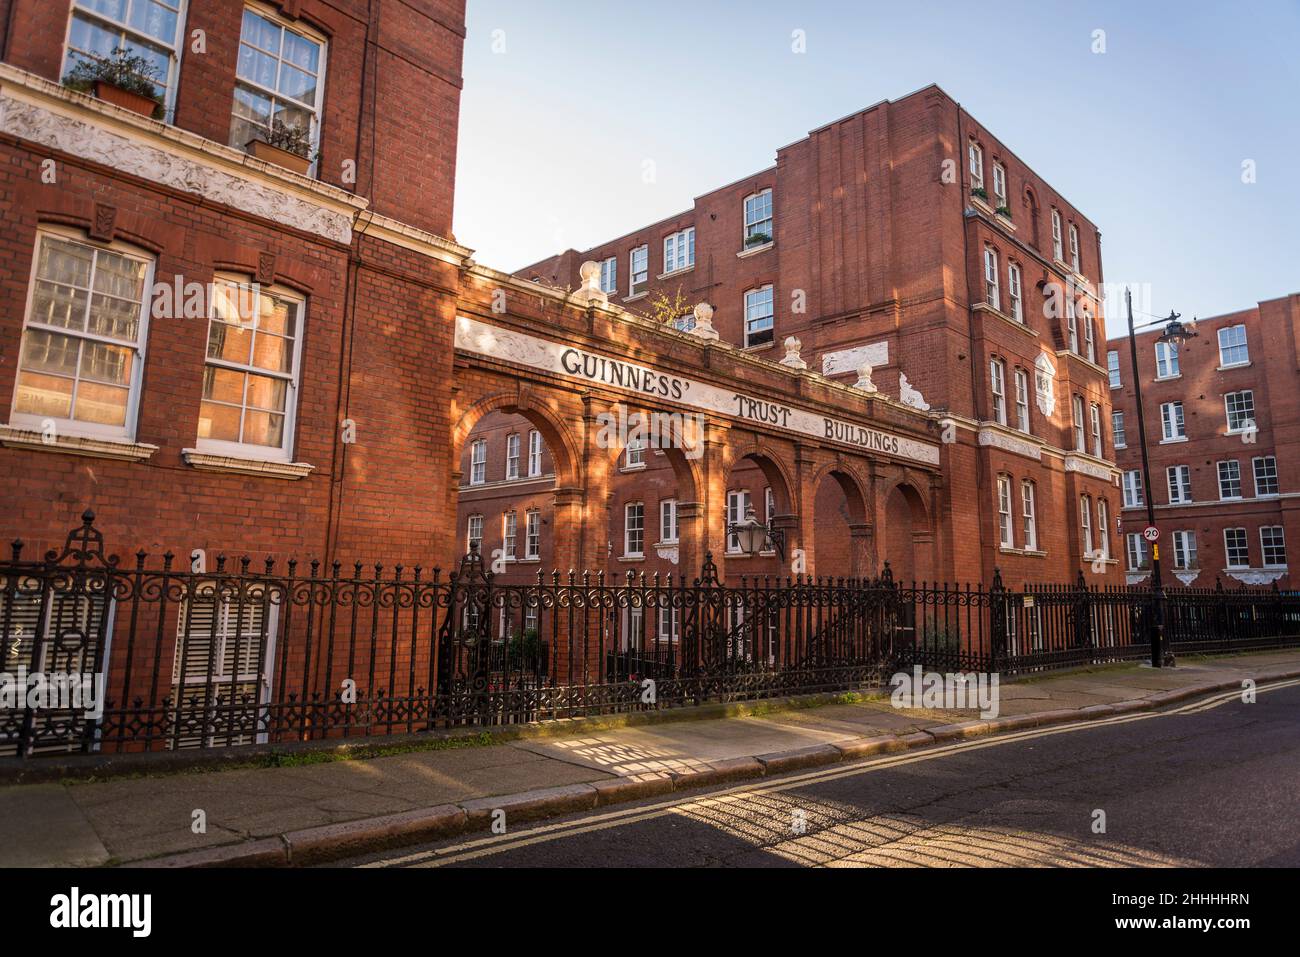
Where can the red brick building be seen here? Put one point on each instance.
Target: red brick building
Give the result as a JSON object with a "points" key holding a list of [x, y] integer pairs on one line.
{"points": [[308, 418], [1223, 439], [909, 238]]}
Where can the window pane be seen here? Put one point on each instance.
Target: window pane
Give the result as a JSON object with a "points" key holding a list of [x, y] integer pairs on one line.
{"points": [[263, 428], [257, 66], [277, 315], [273, 353], [223, 385], [62, 306], [109, 8], [267, 393], [219, 422], [154, 20], [260, 32], [299, 85], [115, 318], [253, 106], [301, 52], [101, 404], [89, 37], [229, 342], [65, 262], [104, 363], [43, 395], [49, 352]]}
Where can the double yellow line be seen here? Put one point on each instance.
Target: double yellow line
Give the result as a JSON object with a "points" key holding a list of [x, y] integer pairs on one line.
{"points": [[497, 844]]}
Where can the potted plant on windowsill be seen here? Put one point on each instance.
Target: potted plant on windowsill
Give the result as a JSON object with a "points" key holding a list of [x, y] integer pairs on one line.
{"points": [[757, 239], [283, 145], [979, 192], [122, 78], [1004, 211]]}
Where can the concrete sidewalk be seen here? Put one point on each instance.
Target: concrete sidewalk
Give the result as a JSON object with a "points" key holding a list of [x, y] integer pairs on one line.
{"points": [[314, 811]]}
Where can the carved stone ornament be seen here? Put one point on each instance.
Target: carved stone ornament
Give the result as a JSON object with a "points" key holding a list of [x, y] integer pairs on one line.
{"points": [[704, 322], [1045, 383], [864, 378], [910, 396], [78, 137], [792, 358]]}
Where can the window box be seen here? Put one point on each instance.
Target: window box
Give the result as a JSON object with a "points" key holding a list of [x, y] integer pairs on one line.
{"points": [[126, 99], [755, 249], [268, 468], [979, 192], [259, 148], [1004, 212], [758, 239]]}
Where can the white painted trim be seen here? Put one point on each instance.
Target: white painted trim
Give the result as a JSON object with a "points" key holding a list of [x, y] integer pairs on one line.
{"points": [[207, 462], [99, 447]]}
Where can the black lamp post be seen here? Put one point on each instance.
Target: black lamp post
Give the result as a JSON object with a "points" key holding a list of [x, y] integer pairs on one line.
{"points": [[753, 535], [1175, 334]]}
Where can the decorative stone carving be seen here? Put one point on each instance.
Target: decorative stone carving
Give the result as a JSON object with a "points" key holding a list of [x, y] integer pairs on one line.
{"points": [[207, 462], [910, 396], [864, 379], [667, 552], [104, 225], [1256, 576], [79, 137], [1134, 578], [1074, 463], [792, 358], [1045, 383], [704, 322], [1009, 443], [851, 360], [1187, 577], [590, 292], [266, 269]]}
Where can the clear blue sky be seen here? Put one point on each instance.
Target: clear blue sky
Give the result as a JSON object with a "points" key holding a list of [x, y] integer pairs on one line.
{"points": [[565, 102]]}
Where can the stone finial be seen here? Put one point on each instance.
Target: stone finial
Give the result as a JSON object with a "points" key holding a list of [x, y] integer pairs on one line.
{"points": [[864, 378], [590, 292], [792, 358], [910, 396], [704, 322]]}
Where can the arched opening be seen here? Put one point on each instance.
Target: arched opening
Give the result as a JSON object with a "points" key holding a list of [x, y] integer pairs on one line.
{"points": [[839, 533], [906, 538], [755, 480]]}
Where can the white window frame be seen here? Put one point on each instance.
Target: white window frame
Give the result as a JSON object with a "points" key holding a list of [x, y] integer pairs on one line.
{"points": [[633, 530], [532, 534], [738, 501], [1113, 369], [1229, 347], [1103, 529], [1074, 247], [1085, 526], [1265, 464], [317, 108], [512, 455], [1178, 479], [1094, 413], [1014, 292], [668, 526], [1118, 434], [176, 48], [509, 534], [679, 250], [1226, 469], [1006, 532], [1173, 423], [478, 462], [992, 289], [284, 452], [1029, 515], [1236, 540], [1135, 550], [1000, 185], [975, 155], [474, 533], [64, 426], [1279, 533], [1089, 336], [1167, 361], [1134, 494], [643, 252], [1072, 323], [1227, 411], [1057, 252], [1080, 426], [998, 390], [634, 452], [1021, 377], [753, 222], [1185, 556], [534, 453], [758, 294], [609, 275]]}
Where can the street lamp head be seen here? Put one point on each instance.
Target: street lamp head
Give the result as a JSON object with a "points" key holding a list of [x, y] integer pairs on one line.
{"points": [[750, 533], [1176, 333]]}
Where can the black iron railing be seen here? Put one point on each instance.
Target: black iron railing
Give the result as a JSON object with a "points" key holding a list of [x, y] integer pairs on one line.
{"points": [[239, 654]]}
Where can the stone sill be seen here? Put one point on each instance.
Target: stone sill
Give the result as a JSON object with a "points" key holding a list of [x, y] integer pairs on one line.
{"points": [[209, 462], [1181, 438], [634, 297], [105, 447], [755, 250], [1235, 365], [1167, 378], [677, 272], [1010, 320], [1026, 552], [631, 558]]}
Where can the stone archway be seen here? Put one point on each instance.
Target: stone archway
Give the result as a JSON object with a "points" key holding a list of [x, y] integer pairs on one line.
{"points": [[755, 477], [840, 533], [906, 539]]}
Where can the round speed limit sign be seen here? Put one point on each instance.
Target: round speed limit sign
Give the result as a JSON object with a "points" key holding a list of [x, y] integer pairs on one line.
{"points": [[1151, 533]]}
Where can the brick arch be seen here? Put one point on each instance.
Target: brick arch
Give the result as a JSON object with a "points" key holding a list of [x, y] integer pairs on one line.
{"points": [[769, 461], [851, 483], [687, 471], [558, 437]]}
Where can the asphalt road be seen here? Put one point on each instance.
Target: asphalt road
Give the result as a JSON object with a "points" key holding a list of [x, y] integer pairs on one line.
{"points": [[1216, 782]]}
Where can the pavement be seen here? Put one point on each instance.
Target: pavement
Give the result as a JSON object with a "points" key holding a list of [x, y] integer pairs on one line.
{"points": [[305, 814]]}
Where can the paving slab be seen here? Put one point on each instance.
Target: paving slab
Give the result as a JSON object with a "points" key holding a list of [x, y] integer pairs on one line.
{"points": [[43, 827]]}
